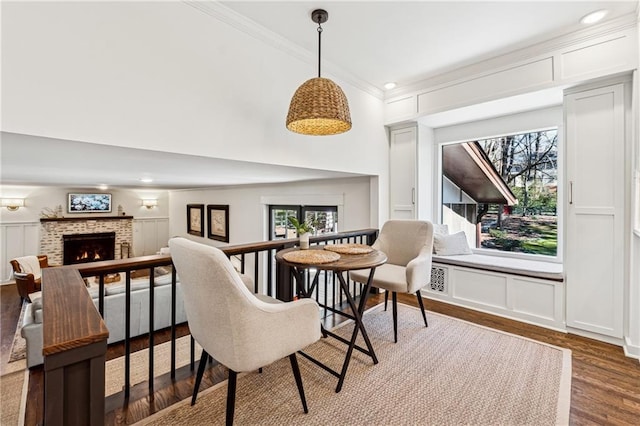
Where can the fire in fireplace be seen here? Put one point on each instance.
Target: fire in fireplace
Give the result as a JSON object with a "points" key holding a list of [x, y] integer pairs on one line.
{"points": [[84, 248]]}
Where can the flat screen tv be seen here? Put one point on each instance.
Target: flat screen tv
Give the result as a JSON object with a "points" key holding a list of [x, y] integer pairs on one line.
{"points": [[89, 203]]}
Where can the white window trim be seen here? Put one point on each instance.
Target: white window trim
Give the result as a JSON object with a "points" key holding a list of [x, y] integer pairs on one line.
{"points": [[530, 121]]}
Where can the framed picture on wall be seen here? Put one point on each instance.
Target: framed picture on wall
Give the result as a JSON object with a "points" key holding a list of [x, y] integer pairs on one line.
{"points": [[89, 203], [218, 222], [195, 219]]}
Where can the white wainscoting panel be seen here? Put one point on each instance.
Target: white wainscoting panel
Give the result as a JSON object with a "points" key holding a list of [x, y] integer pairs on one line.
{"points": [[149, 235], [480, 287], [599, 58], [397, 109], [17, 239], [531, 300], [506, 82], [534, 297]]}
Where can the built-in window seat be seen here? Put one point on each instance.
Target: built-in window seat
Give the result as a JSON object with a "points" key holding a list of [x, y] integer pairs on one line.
{"points": [[524, 290], [508, 265]]}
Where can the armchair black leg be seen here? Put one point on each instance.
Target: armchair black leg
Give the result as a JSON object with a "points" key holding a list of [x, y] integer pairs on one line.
{"points": [[231, 397], [394, 299], [296, 374], [386, 299], [203, 364], [424, 316]]}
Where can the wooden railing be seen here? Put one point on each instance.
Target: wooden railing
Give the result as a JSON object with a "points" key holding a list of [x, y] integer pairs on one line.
{"points": [[269, 278], [74, 348], [278, 281], [127, 266]]}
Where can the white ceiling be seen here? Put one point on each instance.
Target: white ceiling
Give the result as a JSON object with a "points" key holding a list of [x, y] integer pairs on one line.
{"points": [[408, 41], [79, 164], [374, 41]]}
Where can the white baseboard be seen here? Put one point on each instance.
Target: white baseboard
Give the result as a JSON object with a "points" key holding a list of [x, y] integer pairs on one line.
{"points": [[596, 336], [496, 312], [631, 350]]}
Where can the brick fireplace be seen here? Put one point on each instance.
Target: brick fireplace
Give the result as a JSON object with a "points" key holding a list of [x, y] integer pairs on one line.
{"points": [[54, 231]]}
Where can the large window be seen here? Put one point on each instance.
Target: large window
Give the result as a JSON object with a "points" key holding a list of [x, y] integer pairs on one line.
{"points": [[324, 219], [503, 191]]}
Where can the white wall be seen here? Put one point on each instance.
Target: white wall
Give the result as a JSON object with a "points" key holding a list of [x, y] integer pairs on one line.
{"points": [[166, 76], [39, 197], [248, 215]]}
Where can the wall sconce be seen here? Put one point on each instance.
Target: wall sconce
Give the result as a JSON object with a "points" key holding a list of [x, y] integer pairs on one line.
{"points": [[12, 204], [150, 203]]}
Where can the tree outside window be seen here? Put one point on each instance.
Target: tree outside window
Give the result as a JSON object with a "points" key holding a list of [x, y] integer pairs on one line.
{"points": [[528, 165]]}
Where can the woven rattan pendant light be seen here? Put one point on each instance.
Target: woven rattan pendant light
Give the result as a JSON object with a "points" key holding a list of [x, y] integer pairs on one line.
{"points": [[319, 106]]}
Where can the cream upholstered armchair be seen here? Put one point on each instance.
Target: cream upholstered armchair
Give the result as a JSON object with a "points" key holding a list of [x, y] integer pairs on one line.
{"points": [[241, 331], [408, 245]]}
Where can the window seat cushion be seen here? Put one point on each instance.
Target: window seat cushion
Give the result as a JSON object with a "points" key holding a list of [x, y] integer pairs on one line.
{"points": [[507, 265]]}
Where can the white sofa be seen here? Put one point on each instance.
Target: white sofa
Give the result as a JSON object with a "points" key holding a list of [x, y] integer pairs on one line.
{"points": [[114, 312]]}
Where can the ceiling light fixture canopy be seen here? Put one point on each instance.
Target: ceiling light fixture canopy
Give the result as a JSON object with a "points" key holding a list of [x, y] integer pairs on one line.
{"points": [[594, 17], [319, 106]]}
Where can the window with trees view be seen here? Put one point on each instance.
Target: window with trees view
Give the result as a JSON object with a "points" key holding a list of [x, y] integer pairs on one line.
{"points": [[503, 192], [323, 219]]}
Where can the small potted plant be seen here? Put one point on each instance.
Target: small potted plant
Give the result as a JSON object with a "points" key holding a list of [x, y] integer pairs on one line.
{"points": [[303, 229]]}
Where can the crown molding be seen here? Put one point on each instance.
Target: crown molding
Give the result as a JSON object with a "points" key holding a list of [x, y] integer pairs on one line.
{"points": [[241, 23], [509, 57]]}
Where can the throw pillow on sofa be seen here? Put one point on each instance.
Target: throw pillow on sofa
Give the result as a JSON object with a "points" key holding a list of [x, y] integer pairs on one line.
{"points": [[450, 245]]}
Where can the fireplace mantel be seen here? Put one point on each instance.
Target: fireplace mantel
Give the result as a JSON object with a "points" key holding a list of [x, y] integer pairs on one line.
{"points": [[63, 219]]}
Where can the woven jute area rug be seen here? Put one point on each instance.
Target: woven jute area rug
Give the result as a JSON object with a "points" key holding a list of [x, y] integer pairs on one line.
{"points": [[451, 373], [15, 360], [13, 397]]}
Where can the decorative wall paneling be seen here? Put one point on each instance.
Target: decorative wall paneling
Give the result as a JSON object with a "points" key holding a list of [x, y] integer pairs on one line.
{"points": [[531, 300], [578, 58], [149, 235], [17, 239], [23, 239], [518, 79]]}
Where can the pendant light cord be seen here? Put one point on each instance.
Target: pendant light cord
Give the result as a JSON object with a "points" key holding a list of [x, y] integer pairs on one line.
{"points": [[319, 46]]}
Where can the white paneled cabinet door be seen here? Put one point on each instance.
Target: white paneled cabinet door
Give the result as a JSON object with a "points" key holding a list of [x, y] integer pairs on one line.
{"points": [[595, 133], [402, 173]]}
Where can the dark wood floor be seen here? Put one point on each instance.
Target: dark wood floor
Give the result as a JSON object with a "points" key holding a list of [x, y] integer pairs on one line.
{"points": [[605, 385]]}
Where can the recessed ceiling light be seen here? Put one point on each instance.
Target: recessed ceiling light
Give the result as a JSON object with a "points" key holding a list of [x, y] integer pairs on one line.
{"points": [[389, 85], [146, 180], [103, 187], [594, 17]]}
